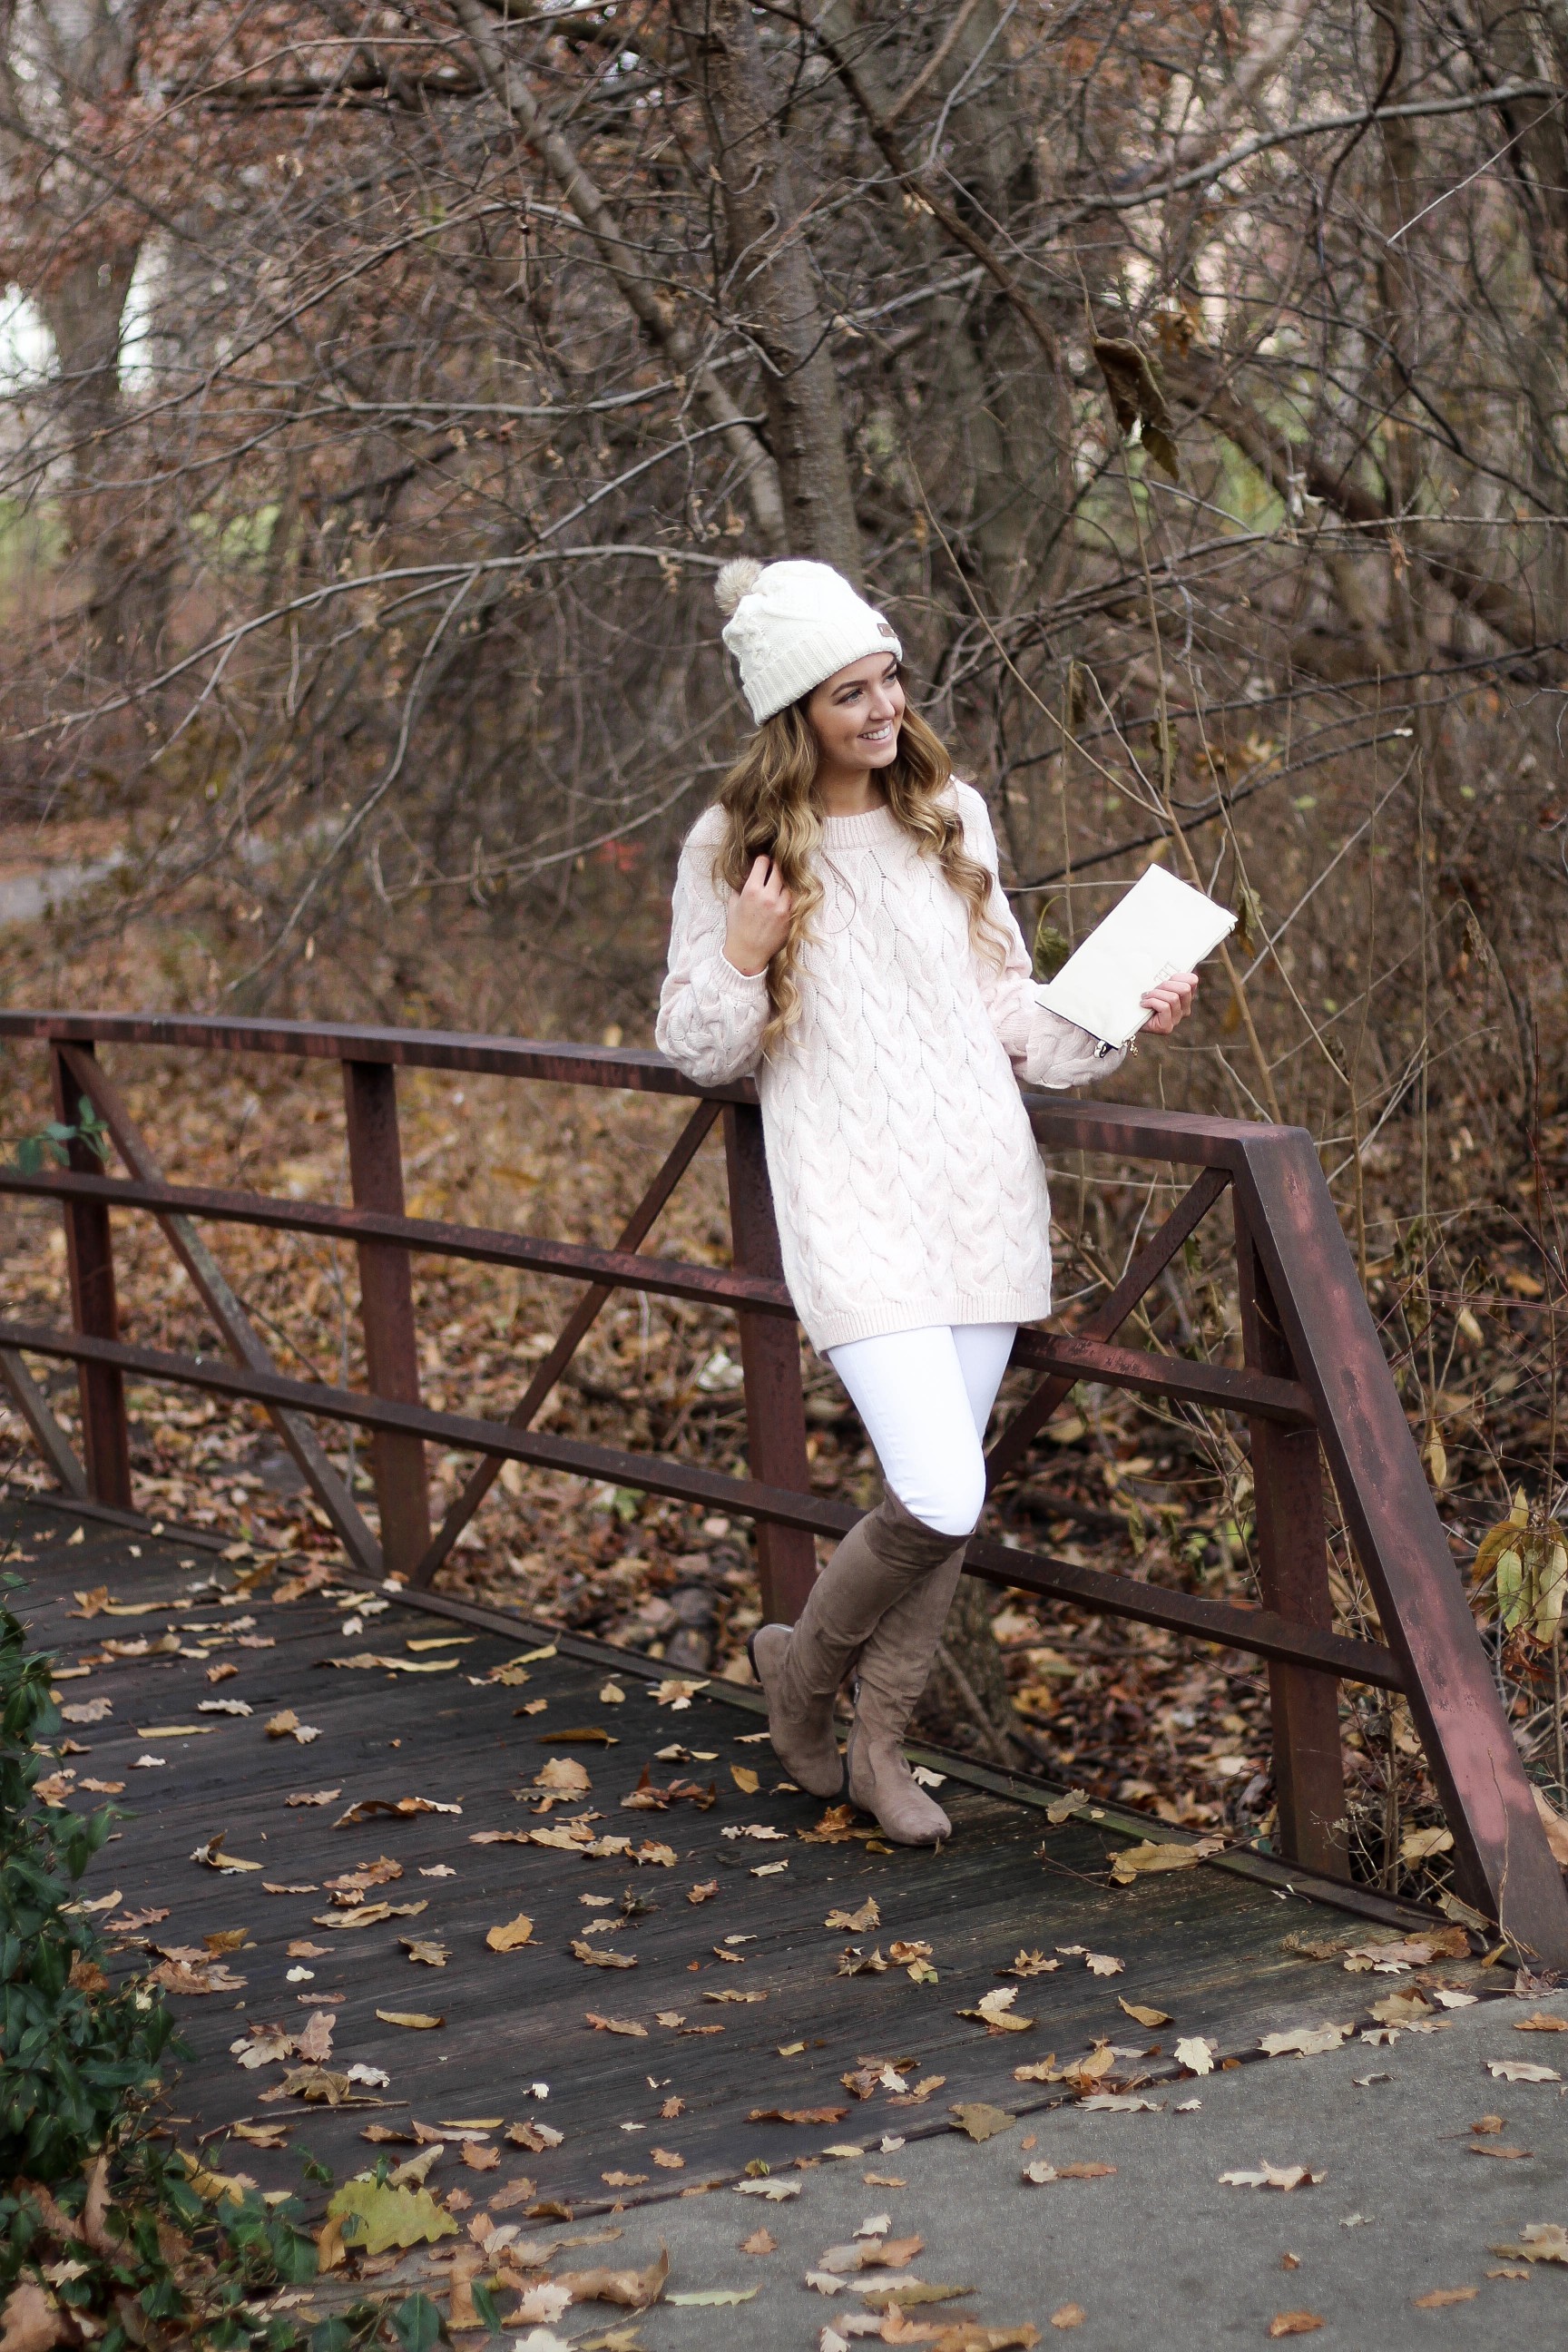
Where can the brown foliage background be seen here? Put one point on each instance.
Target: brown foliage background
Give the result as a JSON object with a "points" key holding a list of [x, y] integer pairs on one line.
{"points": [[385, 385]]}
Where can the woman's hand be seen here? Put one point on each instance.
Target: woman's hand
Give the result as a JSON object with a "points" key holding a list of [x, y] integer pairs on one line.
{"points": [[1171, 1001], [759, 920]]}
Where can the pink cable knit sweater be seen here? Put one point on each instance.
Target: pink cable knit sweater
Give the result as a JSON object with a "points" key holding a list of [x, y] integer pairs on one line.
{"points": [[906, 1178]]}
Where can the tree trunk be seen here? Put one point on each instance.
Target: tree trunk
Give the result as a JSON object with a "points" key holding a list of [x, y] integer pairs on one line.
{"points": [[771, 284]]}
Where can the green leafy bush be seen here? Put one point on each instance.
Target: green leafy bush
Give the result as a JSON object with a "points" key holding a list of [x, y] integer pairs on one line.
{"points": [[77, 2058], [103, 2236]]}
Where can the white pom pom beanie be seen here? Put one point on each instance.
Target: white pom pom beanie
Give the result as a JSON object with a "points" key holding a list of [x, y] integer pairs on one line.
{"points": [[792, 624]]}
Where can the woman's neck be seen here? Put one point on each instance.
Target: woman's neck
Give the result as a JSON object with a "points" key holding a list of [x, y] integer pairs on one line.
{"points": [[853, 791]]}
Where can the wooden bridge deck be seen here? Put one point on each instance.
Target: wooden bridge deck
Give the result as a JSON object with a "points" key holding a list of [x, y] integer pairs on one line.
{"points": [[737, 1997]]}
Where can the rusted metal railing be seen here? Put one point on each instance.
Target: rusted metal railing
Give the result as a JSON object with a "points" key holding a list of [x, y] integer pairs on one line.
{"points": [[1313, 1386]]}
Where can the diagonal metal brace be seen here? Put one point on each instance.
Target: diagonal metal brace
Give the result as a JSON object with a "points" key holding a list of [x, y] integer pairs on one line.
{"points": [[212, 1286], [47, 1433], [1107, 1319], [636, 1231]]}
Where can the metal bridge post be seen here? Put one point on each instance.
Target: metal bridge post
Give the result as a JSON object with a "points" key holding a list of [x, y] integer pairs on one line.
{"points": [[90, 1261], [770, 1358], [386, 1309], [1293, 1556]]}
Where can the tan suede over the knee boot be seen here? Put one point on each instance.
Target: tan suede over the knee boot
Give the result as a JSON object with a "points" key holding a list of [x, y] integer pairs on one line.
{"points": [[801, 1668], [894, 1668]]}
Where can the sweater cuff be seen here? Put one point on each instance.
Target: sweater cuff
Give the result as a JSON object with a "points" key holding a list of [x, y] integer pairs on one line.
{"points": [[738, 984]]}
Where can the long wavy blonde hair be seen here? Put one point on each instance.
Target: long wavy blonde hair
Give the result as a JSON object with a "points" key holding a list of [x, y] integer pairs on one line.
{"points": [[772, 808]]}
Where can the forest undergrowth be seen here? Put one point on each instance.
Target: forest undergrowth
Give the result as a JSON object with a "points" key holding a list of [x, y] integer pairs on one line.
{"points": [[1463, 1289]]}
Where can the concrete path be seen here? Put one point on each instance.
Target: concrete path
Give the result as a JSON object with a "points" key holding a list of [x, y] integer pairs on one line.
{"points": [[1160, 2256]]}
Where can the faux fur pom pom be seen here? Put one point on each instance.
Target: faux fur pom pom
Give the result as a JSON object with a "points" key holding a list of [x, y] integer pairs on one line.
{"points": [[735, 580]]}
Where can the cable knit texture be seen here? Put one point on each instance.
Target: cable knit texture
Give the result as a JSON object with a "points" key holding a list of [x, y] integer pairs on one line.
{"points": [[906, 1178]]}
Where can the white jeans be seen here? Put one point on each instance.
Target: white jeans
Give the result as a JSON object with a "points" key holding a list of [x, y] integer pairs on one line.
{"points": [[925, 1398]]}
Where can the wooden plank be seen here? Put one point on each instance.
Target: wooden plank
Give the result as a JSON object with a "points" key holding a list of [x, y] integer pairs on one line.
{"points": [[1206, 1946]]}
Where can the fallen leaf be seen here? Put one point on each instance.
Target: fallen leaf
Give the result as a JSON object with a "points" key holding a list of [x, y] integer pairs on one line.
{"points": [[418, 2019], [1061, 1809], [480, 2157], [1519, 2069], [774, 2190], [1508, 2154], [365, 1659], [761, 2242], [995, 2011], [368, 1914], [857, 1922], [734, 1997], [1305, 2040], [907, 2295], [1441, 2296], [616, 2025], [667, 2159], [426, 1953], [703, 1893], [535, 2137], [1541, 2022], [370, 2217], [313, 1797], [1140, 2015], [541, 2303], [1066, 2314], [1031, 1964], [798, 2115], [1401, 2009], [623, 2180], [745, 1780], [1294, 2322], [1420, 1845], [1551, 1821], [979, 2121], [633, 2289], [1538, 2242], [716, 2295], [1040, 2172], [589, 1954], [269, 2134], [1272, 2176], [397, 1809], [285, 1725], [213, 1855], [223, 1705], [1145, 1861], [1101, 1964], [513, 1934], [854, 1962], [1196, 2054]]}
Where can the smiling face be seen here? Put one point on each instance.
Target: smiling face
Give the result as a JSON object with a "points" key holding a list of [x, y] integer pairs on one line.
{"points": [[856, 716]]}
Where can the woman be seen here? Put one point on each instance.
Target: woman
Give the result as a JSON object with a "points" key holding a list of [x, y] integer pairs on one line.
{"points": [[840, 931]]}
